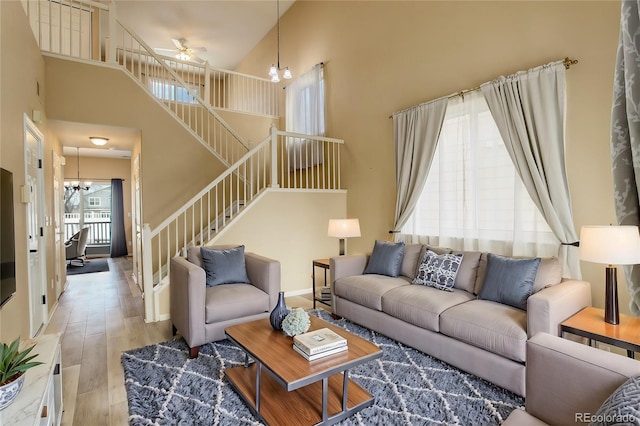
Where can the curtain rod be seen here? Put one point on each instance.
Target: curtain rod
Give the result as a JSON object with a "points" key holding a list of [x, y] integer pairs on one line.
{"points": [[567, 62]]}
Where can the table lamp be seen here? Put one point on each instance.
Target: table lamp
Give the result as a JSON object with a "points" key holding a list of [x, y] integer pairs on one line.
{"points": [[610, 245], [343, 228]]}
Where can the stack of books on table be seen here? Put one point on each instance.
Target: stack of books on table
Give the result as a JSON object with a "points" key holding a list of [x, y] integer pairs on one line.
{"points": [[325, 293], [319, 343]]}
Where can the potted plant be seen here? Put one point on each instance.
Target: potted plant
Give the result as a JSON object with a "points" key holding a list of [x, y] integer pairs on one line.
{"points": [[13, 364]]}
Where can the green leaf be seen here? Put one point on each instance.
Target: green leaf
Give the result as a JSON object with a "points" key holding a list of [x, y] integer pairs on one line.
{"points": [[13, 361]]}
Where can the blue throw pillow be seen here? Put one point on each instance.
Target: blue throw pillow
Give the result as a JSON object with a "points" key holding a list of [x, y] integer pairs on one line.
{"points": [[438, 270], [509, 281], [224, 266], [386, 259]]}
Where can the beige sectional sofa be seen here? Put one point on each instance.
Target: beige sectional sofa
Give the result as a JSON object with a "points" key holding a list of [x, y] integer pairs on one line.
{"points": [[482, 337]]}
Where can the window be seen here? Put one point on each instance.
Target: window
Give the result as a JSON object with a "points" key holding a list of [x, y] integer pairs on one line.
{"points": [[305, 114], [94, 201], [473, 198], [167, 90], [305, 103]]}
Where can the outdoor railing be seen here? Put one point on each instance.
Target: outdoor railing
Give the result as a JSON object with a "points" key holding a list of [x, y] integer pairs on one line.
{"points": [[99, 232]]}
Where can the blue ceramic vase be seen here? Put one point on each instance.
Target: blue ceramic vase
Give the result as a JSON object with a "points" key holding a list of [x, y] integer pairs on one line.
{"points": [[279, 313]]}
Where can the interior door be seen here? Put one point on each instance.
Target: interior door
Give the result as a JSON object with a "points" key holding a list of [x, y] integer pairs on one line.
{"points": [[58, 195], [137, 223], [33, 195]]}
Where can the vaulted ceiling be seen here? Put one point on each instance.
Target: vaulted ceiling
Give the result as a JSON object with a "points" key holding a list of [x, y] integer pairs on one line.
{"points": [[227, 29]]}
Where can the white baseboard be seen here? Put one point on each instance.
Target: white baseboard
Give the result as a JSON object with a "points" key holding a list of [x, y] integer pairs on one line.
{"points": [[298, 292]]}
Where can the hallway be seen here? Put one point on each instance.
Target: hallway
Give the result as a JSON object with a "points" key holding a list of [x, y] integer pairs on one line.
{"points": [[99, 316]]}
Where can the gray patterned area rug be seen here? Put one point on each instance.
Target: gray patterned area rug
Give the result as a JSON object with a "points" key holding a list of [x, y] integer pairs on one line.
{"points": [[165, 387]]}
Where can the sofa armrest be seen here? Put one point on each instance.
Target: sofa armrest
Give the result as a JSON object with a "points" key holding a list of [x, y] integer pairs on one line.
{"points": [[549, 307], [188, 295], [264, 273], [346, 266], [565, 379]]}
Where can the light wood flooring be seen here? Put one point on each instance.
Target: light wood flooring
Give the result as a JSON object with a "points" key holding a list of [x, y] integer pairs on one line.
{"points": [[99, 316]]}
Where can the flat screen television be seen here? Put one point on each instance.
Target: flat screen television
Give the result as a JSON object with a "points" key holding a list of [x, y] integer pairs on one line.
{"points": [[7, 238]]}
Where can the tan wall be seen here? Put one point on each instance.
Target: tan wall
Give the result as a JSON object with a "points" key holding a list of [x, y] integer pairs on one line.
{"points": [[22, 69], [252, 128], [105, 169], [291, 227], [174, 165], [389, 55]]}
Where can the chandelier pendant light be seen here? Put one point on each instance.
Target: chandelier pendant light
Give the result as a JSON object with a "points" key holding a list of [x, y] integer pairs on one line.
{"points": [[274, 72], [75, 185]]}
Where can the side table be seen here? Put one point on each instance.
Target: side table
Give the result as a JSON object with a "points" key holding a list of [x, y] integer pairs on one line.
{"points": [[323, 264], [590, 323]]}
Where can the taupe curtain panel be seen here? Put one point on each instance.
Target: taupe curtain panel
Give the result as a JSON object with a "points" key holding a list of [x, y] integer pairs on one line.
{"points": [[416, 132], [529, 110], [625, 134]]}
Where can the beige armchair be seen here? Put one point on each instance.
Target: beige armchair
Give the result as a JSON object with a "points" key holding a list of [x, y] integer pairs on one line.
{"points": [[568, 381], [202, 313]]}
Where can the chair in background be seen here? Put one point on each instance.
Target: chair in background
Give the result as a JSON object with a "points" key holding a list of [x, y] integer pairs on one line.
{"points": [[76, 246]]}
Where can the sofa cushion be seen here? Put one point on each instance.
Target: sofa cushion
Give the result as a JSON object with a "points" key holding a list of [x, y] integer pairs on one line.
{"points": [[466, 278], [410, 260], [549, 273], [385, 259], [622, 406], [225, 266], [420, 305], [492, 326], [193, 253], [367, 290], [438, 270], [509, 280], [230, 301]]}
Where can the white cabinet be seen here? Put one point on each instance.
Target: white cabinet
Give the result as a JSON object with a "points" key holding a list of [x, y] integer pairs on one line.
{"points": [[39, 403]]}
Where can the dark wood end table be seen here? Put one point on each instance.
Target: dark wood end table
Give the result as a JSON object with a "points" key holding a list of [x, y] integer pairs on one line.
{"points": [[323, 264], [590, 323]]}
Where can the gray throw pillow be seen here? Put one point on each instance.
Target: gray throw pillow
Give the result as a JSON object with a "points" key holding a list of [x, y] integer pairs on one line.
{"points": [[386, 259], [224, 266], [508, 280], [438, 270], [622, 407]]}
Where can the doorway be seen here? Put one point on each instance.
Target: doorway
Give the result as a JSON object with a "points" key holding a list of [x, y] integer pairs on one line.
{"points": [[33, 195], [89, 206]]}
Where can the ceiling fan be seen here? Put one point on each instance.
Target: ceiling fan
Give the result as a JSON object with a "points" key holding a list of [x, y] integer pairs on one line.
{"points": [[182, 51]]}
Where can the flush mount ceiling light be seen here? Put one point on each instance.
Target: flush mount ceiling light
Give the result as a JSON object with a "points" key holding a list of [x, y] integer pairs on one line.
{"points": [[98, 140], [274, 71]]}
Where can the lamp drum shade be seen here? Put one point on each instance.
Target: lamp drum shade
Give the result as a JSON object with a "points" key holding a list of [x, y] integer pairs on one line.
{"points": [[344, 228], [611, 245]]}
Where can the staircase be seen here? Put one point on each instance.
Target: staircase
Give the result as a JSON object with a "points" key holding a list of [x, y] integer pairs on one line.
{"points": [[281, 160]]}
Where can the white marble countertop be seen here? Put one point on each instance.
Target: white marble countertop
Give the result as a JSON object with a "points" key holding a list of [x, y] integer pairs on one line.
{"points": [[26, 408]]}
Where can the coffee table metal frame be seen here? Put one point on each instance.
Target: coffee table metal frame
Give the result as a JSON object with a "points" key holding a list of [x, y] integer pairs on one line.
{"points": [[332, 369]]}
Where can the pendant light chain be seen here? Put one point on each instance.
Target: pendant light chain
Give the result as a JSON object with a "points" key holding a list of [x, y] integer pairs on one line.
{"points": [[273, 71]]}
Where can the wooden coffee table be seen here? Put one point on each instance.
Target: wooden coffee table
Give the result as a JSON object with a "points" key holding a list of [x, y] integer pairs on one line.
{"points": [[283, 388]]}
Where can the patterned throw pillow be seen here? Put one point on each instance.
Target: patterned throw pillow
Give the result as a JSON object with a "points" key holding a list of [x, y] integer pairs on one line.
{"points": [[622, 407], [438, 270]]}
